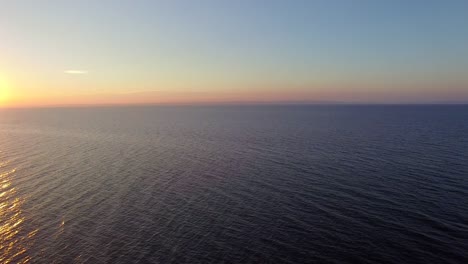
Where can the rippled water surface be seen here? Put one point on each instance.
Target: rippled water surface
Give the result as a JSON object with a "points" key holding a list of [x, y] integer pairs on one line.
{"points": [[250, 184]]}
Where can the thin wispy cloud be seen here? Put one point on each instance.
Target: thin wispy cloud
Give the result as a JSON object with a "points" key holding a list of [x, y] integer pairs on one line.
{"points": [[76, 72]]}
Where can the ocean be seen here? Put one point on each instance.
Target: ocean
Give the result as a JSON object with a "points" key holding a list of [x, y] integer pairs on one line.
{"points": [[234, 184]]}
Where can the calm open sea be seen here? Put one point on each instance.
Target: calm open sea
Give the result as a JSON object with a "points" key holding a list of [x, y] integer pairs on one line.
{"points": [[234, 184]]}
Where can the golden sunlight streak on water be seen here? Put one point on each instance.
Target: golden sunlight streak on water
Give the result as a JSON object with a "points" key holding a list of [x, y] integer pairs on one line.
{"points": [[13, 242]]}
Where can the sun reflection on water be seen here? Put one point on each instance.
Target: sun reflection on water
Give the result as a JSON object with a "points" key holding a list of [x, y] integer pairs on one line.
{"points": [[14, 240]]}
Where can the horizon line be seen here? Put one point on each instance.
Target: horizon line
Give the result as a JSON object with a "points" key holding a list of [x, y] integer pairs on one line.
{"points": [[241, 103]]}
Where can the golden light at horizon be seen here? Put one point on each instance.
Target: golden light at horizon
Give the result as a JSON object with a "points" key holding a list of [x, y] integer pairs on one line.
{"points": [[4, 90]]}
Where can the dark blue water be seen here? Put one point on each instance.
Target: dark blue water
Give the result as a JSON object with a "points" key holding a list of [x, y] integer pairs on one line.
{"points": [[235, 184]]}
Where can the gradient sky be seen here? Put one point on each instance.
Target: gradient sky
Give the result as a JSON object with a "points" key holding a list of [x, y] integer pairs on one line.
{"points": [[60, 52]]}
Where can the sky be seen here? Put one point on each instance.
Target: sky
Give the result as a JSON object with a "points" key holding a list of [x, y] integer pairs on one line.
{"points": [[85, 52]]}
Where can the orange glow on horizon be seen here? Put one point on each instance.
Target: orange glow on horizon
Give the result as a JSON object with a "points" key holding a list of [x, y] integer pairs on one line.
{"points": [[318, 93], [4, 91]]}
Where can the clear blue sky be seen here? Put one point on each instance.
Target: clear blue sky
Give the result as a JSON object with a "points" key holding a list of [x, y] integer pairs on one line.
{"points": [[360, 50]]}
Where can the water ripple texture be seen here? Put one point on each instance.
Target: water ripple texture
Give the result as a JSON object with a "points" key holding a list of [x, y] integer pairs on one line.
{"points": [[234, 184]]}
